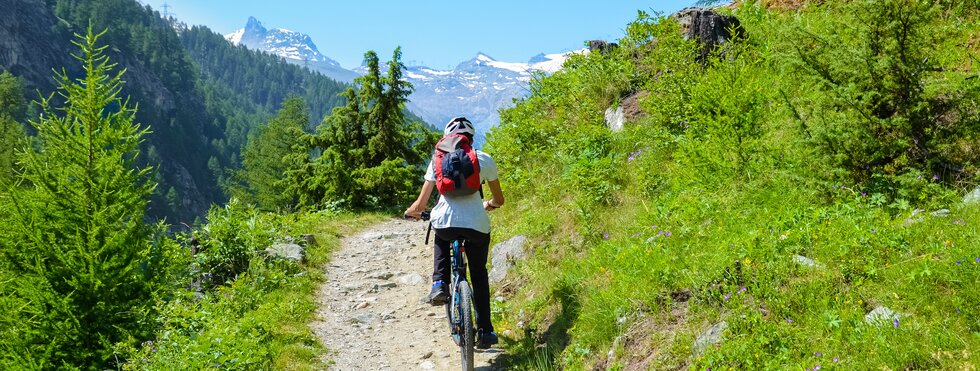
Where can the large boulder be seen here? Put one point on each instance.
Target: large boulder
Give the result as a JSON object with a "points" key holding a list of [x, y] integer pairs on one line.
{"points": [[287, 251], [615, 118], [710, 337], [601, 46], [708, 27], [504, 254], [972, 197]]}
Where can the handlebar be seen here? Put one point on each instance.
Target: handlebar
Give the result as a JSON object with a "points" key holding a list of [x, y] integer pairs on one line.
{"points": [[426, 215]]}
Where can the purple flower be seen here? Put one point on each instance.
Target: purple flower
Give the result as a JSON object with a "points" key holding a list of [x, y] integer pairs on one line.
{"points": [[605, 236], [957, 310], [789, 320], [874, 231], [817, 367], [935, 177], [818, 354], [630, 158], [977, 260], [728, 295], [741, 290], [863, 194], [959, 262], [895, 322], [668, 233], [836, 359], [834, 187]]}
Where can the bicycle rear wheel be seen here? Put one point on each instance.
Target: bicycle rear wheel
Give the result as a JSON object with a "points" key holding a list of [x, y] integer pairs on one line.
{"points": [[465, 310]]}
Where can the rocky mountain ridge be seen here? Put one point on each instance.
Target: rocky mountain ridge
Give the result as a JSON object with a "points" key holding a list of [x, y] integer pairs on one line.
{"points": [[477, 88]]}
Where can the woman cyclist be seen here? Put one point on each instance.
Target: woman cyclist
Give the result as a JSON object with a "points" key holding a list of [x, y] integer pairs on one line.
{"points": [[465, 217]]}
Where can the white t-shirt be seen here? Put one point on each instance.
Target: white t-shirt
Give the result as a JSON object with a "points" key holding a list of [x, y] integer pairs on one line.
{"points": [[464, 211]]}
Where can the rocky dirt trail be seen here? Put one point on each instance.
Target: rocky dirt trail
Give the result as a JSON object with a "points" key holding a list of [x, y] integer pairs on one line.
{"points": [[371, 315]]}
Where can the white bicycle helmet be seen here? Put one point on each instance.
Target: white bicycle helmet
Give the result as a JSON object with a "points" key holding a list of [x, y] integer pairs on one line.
{"points": [[459, 125]]}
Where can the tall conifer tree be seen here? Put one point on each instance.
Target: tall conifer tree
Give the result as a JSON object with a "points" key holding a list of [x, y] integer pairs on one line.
{"points": [[265, 156], [80, 265], [12, 108]]}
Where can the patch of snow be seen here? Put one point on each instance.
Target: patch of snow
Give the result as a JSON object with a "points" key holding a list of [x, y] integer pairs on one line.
{"points": [[413, 75], [435, 72], [235, 37], [516, 67]]}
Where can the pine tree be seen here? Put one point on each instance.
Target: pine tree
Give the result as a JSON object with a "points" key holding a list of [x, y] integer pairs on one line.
{"points": [[266, 155], [12, 109], [389, 140], [366, 154], [80, 265]]}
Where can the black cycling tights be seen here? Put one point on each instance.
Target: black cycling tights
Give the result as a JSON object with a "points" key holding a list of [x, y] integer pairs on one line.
{"points": [[477, 248]]}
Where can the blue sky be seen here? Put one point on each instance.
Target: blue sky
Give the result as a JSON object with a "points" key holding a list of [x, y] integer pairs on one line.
{"points": [[438, 33]]}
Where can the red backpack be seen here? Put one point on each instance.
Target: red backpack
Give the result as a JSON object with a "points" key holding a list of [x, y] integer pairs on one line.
{"points": [[456, 166]]}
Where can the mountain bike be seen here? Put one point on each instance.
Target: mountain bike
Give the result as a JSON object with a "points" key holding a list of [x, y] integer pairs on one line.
{"points": [[459, 308]]}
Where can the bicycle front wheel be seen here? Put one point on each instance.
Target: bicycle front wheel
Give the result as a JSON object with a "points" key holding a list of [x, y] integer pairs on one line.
{"points": [[465, 310]]}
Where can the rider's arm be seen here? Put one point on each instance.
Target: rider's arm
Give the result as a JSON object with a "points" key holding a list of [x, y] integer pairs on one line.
{"points": [[497, 199], [418, 206]]}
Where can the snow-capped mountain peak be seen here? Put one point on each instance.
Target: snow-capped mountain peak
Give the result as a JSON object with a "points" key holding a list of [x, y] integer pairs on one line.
{"points": [[477, 88], [292, 45]]}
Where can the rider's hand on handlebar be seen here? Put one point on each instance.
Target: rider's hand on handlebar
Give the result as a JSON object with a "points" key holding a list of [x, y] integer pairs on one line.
{"points": [[414, 213]]}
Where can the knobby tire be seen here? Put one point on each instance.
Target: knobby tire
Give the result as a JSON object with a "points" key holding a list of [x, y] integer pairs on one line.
{"points": [[466, 345]]}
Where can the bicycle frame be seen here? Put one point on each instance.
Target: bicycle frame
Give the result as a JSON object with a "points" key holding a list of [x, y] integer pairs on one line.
{"points": [[457, 259]]}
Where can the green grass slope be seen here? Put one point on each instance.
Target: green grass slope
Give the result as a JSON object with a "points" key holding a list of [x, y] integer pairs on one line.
{"points": [[816, 136]]}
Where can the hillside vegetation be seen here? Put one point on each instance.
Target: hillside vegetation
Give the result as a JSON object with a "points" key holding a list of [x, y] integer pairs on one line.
{"points": [[782, 189], [90, 283], [201, 96]]}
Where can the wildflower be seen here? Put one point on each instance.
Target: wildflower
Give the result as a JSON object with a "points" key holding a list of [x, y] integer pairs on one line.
{"points": [[957, 310], [935, 177], [741, 290], [959, 262], [605, 236], [977, 260], [864, 194], [727, 296], [895, 323], [836, 359], [834, 186], [789, 320], [874, 230], [817, 367], [630, 158], [668, 233], [818, 354]]}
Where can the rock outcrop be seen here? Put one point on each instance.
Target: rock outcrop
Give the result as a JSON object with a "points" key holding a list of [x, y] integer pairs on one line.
{"points": [[601, 46], [504, 254], [708, 27]]}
